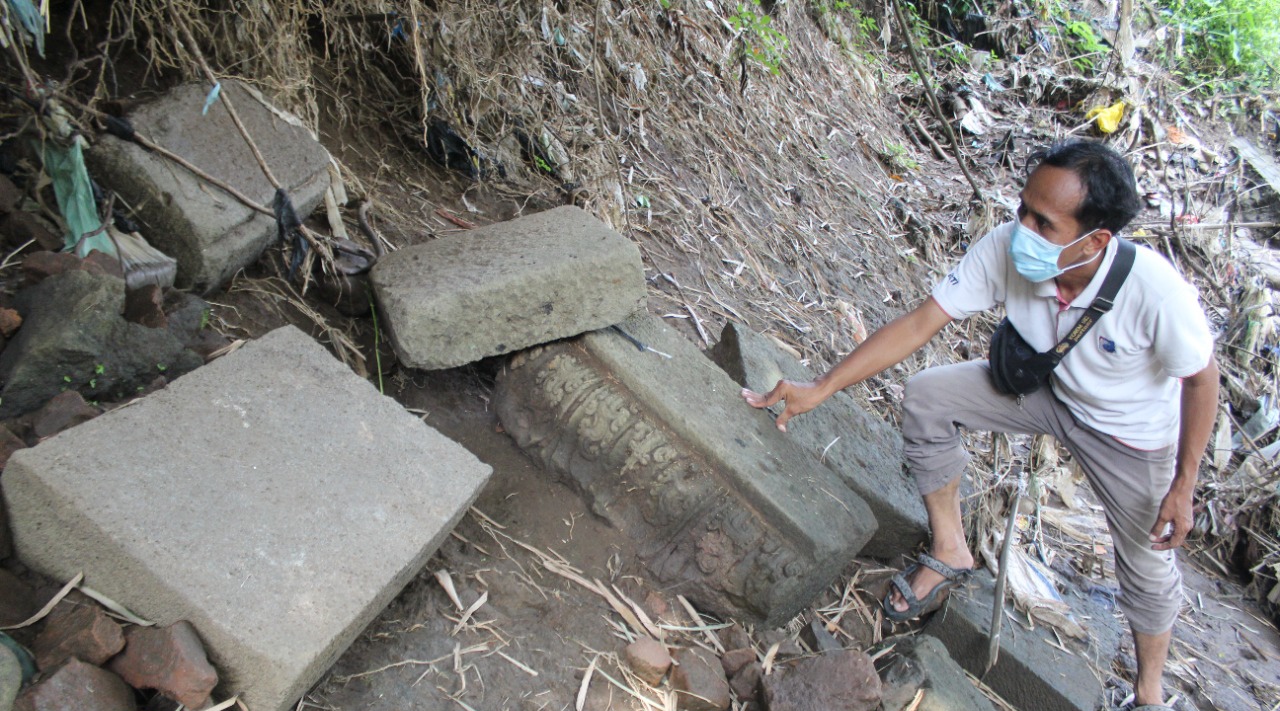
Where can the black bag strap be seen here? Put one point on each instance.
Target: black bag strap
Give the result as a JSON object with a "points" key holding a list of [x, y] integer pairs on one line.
{"points": [[1102, 303]]}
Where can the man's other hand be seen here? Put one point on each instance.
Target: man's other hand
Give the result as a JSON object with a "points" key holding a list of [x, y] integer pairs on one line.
{"points": [[1173, 522], [799, 398]]}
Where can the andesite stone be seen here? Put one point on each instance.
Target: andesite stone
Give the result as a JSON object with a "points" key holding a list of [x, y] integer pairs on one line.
{"points": [[278, 524], [863, 450], [723, 508], [211, 234], [1032, 670], [922, 662], [507, 286], [74, 338]]}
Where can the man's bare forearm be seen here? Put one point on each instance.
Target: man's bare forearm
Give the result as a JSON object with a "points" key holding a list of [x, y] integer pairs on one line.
{"points": [[887, 347], [1199, 411]]}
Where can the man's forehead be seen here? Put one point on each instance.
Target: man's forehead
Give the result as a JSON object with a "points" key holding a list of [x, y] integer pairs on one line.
{"points": [[1051, 189]]}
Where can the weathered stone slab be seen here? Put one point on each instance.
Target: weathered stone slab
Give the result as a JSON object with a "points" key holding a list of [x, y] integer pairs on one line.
{"points": [[273, 498], [864, 451], [722, 507], [210, 233], [1031, 672], [508, 286], [921, 662]]}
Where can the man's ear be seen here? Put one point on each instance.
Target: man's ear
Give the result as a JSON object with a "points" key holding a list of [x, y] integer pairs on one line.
{"points": [[1097, 241]]}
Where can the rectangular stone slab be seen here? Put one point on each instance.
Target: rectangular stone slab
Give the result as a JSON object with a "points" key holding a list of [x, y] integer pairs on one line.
{"points": [[507, 286], [865, 452], [273, 498], [1031, 672], [722, 507], [210, 233]]}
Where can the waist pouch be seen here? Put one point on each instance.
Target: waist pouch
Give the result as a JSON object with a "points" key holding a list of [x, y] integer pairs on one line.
{"points": [[1016, 367], [1019, 369]]}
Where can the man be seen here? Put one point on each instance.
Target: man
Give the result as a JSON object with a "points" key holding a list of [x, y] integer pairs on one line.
{"points": [[1134, 401]]}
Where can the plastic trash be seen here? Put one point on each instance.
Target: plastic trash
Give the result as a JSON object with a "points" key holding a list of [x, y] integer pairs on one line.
{"points": [[1108, 118]]}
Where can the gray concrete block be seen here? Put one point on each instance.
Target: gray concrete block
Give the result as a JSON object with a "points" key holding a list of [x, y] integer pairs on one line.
{"points": [[864, 451], [508, 286], [1031, 672], [210, 233], [722, 507], [921, 662], [273, 498]]}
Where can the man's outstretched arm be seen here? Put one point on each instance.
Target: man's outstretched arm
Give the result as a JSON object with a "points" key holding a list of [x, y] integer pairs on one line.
{"points": [[883, 349]]}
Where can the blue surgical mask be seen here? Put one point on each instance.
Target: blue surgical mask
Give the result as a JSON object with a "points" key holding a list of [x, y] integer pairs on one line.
{"points": [[1035, 257]]}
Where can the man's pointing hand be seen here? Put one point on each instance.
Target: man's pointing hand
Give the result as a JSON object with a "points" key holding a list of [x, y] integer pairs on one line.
{"points": [[799, 398]]}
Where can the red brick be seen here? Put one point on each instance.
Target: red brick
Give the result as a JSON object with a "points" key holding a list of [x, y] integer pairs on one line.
{"points": [[39, 266], [64, 411], [649, 659], [699, 682], [170, 660], [78, 686], [735, 659], [80, 631]]}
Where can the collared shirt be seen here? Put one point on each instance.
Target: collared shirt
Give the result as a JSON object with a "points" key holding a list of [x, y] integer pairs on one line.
{"points": [[1124, 377]]}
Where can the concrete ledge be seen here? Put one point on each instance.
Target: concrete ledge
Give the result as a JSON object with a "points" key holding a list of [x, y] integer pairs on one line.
{"points": [[273, 498]]}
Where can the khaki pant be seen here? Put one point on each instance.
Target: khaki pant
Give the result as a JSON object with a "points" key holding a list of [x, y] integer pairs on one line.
{"points": [[1131, 483]]}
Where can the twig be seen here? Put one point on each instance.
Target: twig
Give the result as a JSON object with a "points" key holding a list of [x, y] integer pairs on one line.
{"points": [[933, 100]]}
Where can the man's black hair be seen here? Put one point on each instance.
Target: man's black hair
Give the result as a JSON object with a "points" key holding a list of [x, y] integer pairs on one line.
{"points": [[1111, 195]]}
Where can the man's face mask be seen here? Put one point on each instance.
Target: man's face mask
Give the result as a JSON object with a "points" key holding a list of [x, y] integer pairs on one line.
{"points": [[1036, 258]]}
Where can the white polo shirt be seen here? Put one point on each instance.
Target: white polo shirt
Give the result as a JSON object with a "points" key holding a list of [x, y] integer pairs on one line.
{"points": [[1124, 377]]}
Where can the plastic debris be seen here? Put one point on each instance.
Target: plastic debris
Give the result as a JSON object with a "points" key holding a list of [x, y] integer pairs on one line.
{"points": [[1108, 118]]}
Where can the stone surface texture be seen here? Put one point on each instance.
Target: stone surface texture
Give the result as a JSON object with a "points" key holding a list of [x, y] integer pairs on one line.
{"points": [[170, 660], [836, 681], [209, 232], [649, 659], [507, 286], [74, 338], [79, 686], [699, 681], [723, 508], [863, 450], [273, 498], [10, 678], [1031, 671], [81, 631], [922, 662]]}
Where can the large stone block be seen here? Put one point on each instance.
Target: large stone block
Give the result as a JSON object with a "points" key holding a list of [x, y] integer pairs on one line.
{"points": [[864, 451], [273, 498], [1032, 671], [210, 233], [722, 507], [508, 286]]}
